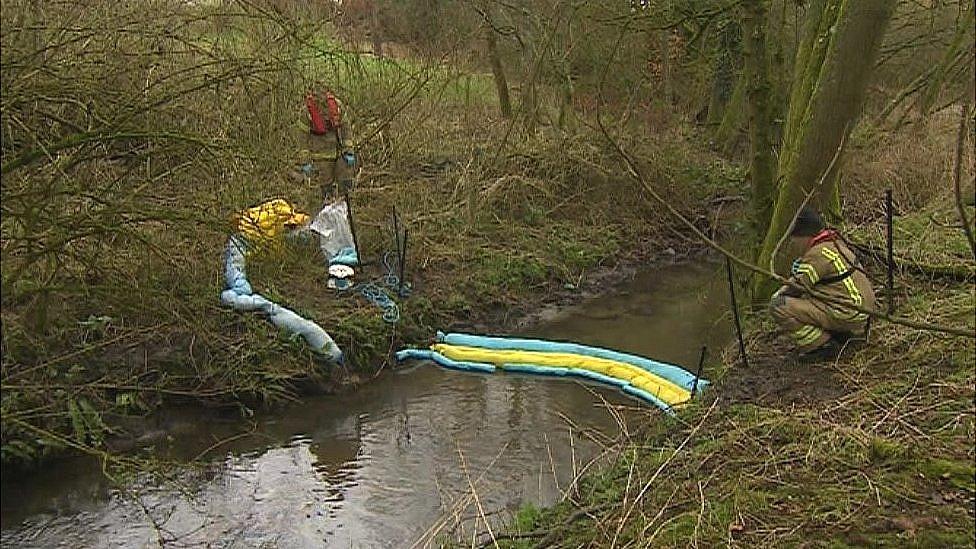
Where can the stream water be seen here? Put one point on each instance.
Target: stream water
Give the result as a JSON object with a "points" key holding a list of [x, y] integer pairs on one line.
{"points": [[419, 455]]}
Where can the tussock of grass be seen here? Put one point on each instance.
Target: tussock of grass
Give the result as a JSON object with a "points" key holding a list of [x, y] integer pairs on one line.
{"points": [[890, 463]]}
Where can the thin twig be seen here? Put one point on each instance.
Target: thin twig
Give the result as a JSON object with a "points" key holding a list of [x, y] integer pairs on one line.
{"points": [[474, 493], [657, 473]]}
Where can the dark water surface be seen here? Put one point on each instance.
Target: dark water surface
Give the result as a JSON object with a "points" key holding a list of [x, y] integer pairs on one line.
{"points": [[396, 464]]}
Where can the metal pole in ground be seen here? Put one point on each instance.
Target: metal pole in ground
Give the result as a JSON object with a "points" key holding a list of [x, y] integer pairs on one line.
{"points": [[396, 234], [889, 215], [403, 261], [735, 314], [701, 363], [352, 226]]}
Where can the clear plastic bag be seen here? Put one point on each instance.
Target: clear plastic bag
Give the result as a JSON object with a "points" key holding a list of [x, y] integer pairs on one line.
{"points": [[335, 236]]}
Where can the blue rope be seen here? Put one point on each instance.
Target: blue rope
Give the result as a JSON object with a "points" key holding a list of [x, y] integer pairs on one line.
{"points": [[376, 292], [390, 279], [377, 296]]}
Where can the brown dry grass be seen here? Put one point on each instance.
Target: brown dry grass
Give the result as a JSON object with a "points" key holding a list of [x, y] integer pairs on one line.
{"points": [[915, 161]]}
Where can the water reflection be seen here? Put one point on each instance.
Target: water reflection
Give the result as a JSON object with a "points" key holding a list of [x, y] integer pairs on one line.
{"points": [[395, 463]]}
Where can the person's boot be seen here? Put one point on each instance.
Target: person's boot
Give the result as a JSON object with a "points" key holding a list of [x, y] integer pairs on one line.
{"points": [[829, 351], [840, 338]]}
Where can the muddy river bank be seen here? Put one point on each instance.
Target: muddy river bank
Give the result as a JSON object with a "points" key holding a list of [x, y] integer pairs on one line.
{"points": [[420, 455]]}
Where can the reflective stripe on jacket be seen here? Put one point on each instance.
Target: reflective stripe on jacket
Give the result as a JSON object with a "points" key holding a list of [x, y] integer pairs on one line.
{"points": [[831, 268]]}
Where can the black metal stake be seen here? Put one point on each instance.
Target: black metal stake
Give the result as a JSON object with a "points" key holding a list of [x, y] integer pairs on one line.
{"points": [[396, 234], [701, 363], [352, 227], [889, 214], [735, 314], [403, 261]]}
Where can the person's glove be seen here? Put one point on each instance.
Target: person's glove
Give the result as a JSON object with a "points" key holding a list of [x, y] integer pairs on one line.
{"points": [[779, 297], [796, 266]]}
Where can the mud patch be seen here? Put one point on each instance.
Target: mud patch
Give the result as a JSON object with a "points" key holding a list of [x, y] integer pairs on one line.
{"points": [[778, 379]]}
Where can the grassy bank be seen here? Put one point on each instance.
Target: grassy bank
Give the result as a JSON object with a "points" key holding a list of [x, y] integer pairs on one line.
{"points": [[873, 449], [150, 131]]}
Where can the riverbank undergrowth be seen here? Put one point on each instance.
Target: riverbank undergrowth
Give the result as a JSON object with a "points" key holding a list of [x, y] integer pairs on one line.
{"points": [[874, 448], [155, 130]]}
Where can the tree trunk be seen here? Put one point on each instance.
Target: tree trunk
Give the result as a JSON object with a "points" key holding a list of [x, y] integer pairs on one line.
{"points": [[729, 130], [779, 70], [723, 73], [567, 110], [665, 46], [956, 52], [664, 38], [758, 91], [501, 83], [530, 105], [374, 33], [834, 61]]}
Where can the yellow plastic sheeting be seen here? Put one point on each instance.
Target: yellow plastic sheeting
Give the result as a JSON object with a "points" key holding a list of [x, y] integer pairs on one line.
{"points": [[267, 222], [663, 389]]}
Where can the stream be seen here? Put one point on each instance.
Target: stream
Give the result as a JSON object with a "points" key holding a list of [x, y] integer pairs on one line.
{"points": [[420, 455]]}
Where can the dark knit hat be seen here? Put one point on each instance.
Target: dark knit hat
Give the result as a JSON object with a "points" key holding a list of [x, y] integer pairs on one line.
{"points": [[808, 223]]}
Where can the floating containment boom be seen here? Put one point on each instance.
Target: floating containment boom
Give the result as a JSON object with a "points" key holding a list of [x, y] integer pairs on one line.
{"points": [[239, 295], [664, 385]]}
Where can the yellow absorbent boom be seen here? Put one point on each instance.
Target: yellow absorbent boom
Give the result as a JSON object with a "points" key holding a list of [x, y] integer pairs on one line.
{"points": [[663, 389]]}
